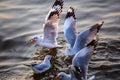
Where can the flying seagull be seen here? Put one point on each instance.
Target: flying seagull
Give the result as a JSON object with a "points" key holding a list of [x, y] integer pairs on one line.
{"points": [[50, 27], [73, 75], [82, 59], [83, 38]]}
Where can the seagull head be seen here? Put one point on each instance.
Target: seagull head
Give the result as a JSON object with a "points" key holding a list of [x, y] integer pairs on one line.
{"points": [[35, 39], [48, 57], [61, 76]]}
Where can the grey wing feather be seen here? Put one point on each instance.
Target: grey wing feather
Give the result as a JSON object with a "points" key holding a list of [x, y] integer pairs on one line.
{"points": [[41, 68]]}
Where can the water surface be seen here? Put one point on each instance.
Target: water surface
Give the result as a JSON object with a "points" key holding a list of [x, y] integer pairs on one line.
{"points": [[22, 19]]}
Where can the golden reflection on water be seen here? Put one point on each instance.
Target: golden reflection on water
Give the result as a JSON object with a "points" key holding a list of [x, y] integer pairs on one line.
{"points": [[5, 16]]}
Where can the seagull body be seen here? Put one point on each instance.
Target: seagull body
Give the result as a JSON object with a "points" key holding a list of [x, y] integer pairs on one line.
{"points": [[41, 67], [83, 38], [50, 26], [82, 58]]}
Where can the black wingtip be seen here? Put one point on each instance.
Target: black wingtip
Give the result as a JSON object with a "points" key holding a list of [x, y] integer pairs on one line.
{"points": [[92, 43], [52, 13], [71, 12], [58, 2], [97, 26], [78, 69], [78, 72], [101, 23]]}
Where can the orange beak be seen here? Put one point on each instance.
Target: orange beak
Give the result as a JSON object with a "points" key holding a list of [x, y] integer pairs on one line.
{"points": [[32, 40]]}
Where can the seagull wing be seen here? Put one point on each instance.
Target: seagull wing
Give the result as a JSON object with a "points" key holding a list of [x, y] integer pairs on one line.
{"points": [[57, 5], [82, 58], [70, 27], [85, 37], [93, 32]]}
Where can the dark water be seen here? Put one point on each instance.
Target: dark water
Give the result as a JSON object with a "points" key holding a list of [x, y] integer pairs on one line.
{"points": [[21, 19]]}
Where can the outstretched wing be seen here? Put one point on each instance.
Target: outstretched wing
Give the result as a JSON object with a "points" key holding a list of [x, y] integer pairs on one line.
{"points": [[93, 32], [70, 27], [85, 37]]}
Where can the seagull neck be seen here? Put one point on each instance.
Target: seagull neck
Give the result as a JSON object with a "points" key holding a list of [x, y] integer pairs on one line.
{"points": [[46, 60]]}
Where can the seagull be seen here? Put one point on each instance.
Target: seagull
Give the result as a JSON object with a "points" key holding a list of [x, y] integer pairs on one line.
{"points": [[50, 26], [70, 27], [64, 76], [82, 58], [70, 32], [72, 75], [83, 38], [43, 66]]}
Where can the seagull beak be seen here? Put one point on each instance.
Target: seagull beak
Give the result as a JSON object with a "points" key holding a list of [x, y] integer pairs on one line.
{"points": [[32, 40]]}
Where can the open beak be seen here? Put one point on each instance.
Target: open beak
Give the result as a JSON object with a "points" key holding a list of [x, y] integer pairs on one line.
{"points": [[32, 40]]}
